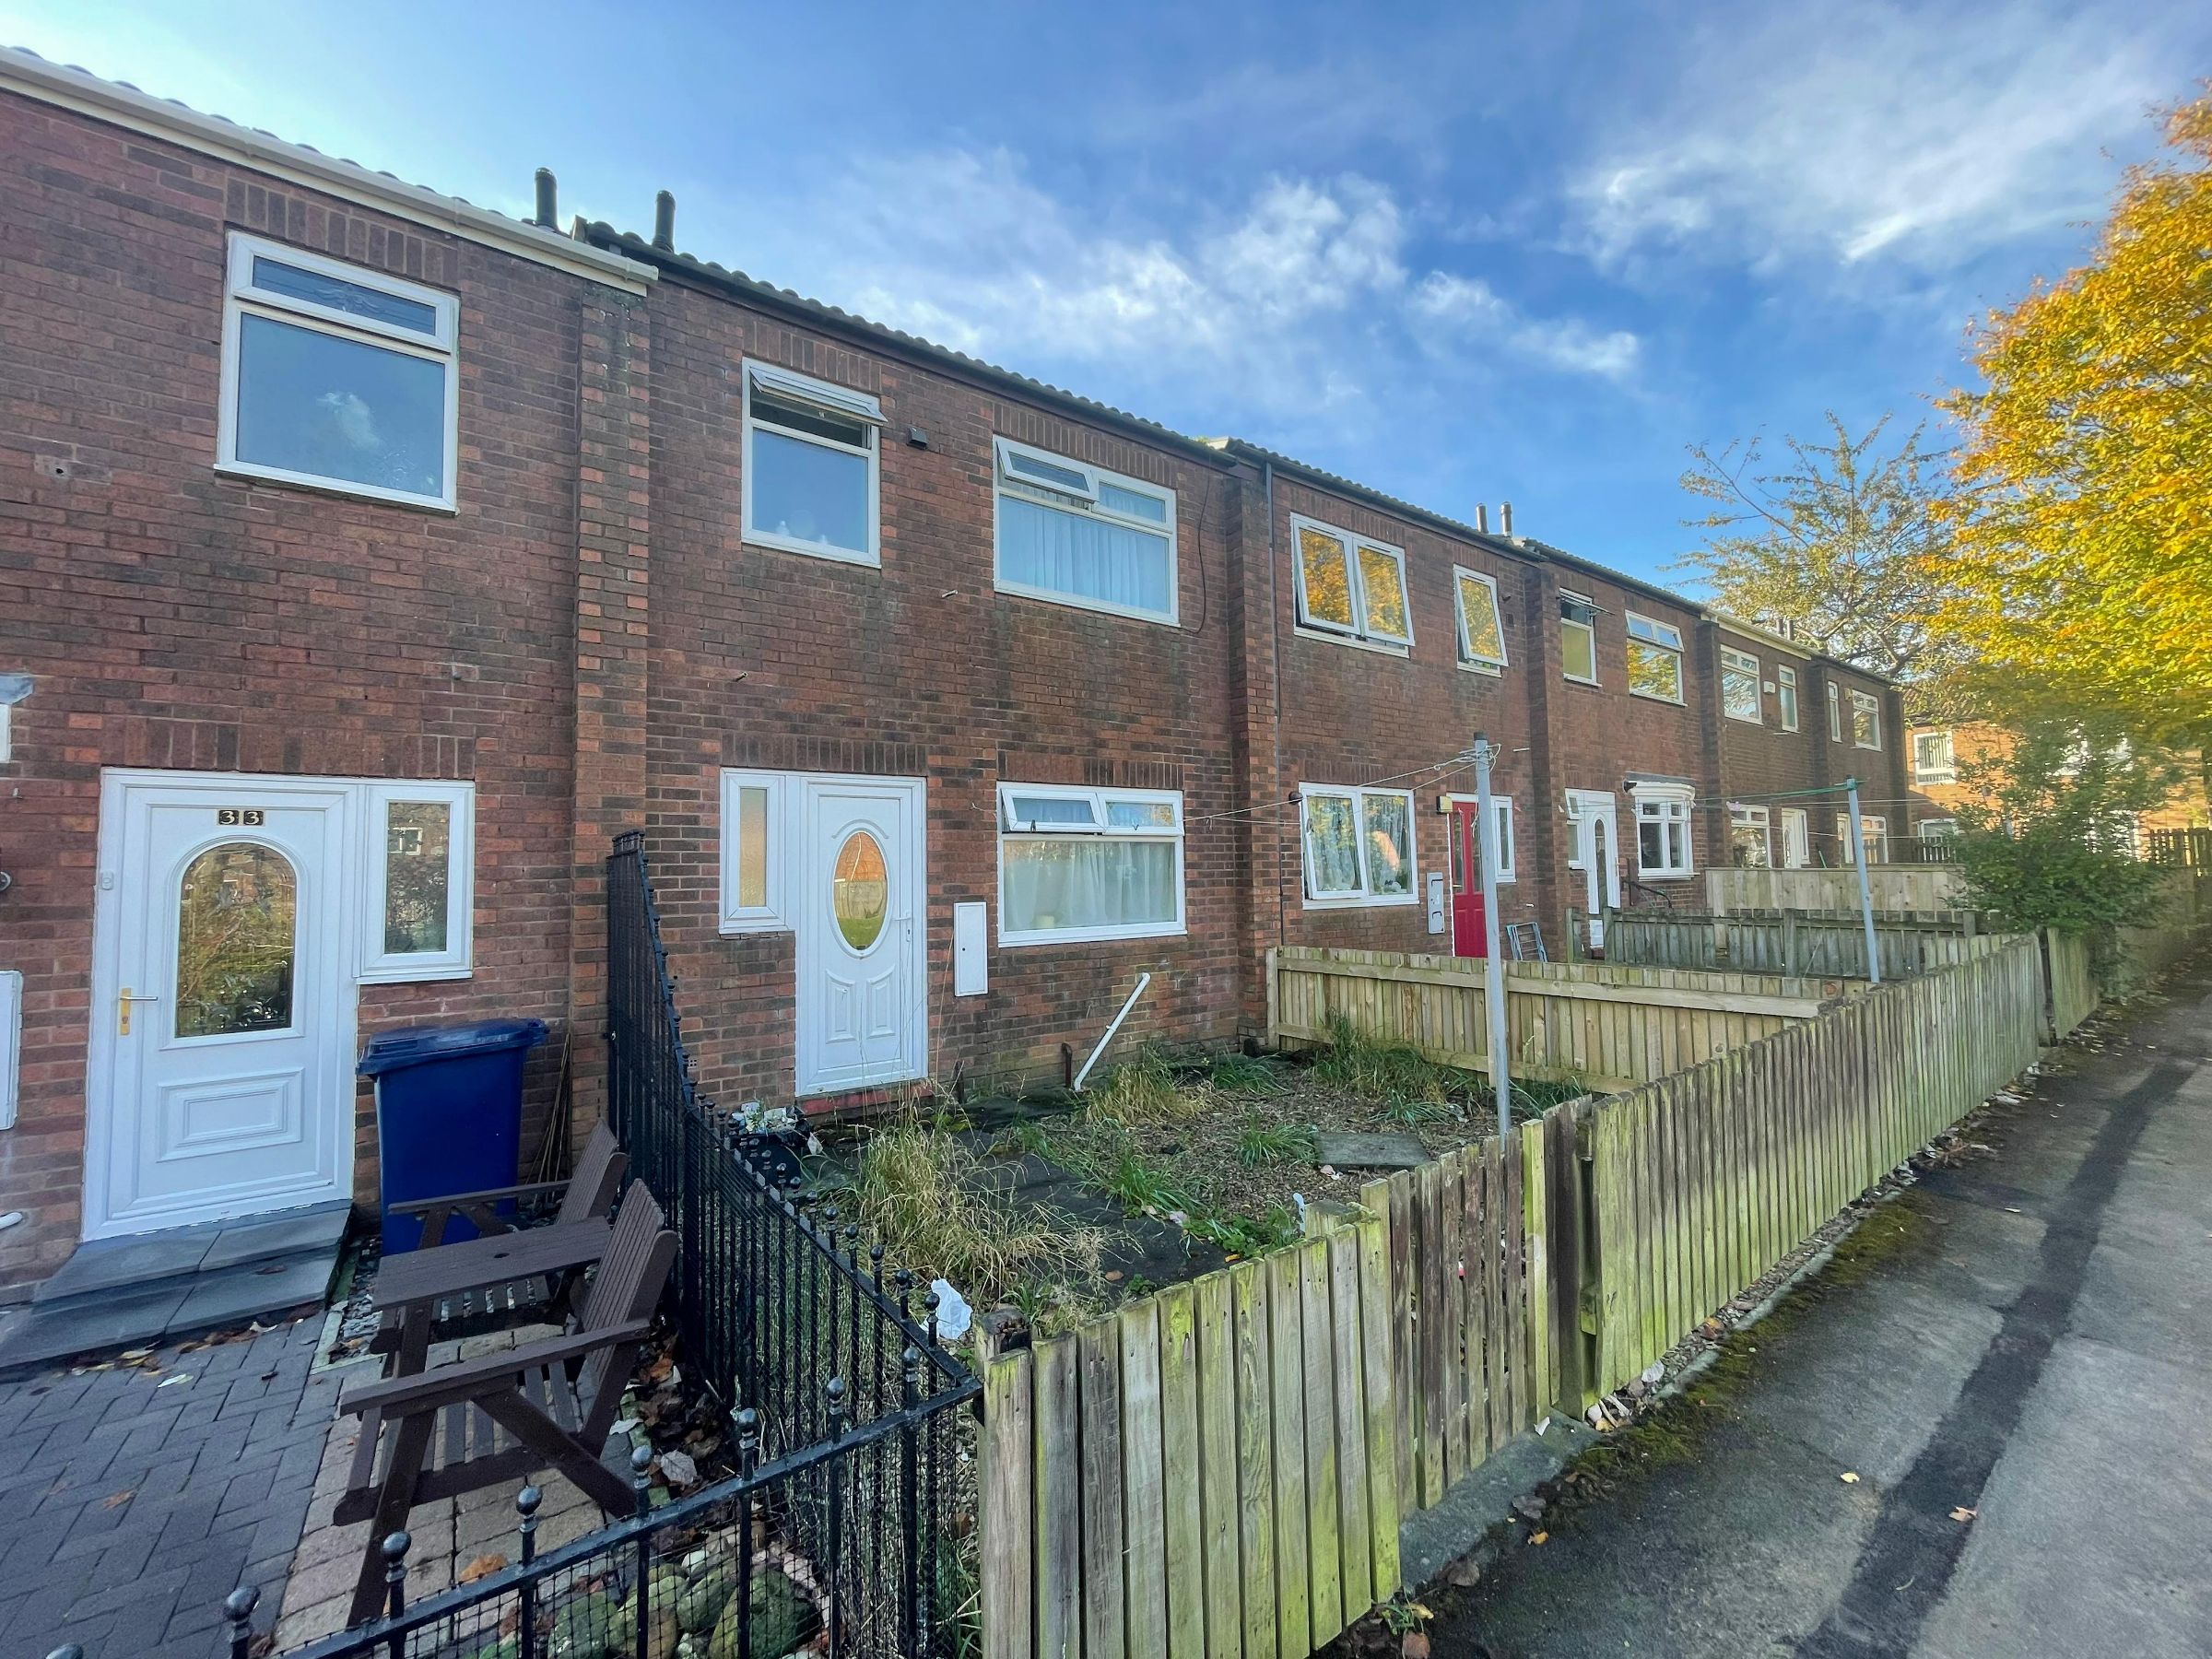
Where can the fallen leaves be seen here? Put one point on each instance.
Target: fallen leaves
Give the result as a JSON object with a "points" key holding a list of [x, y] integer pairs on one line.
{"points": [[117, 1500], [484, 1566], [1963, 1514], [1538, 1537], [1851, 1477]]}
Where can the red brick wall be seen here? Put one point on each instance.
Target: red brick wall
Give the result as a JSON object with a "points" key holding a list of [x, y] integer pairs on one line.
{"points": [[919, 668], [175, 618], [1358, 716]]}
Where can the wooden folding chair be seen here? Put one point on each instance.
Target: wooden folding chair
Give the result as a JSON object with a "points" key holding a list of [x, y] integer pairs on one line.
{"points": [[503, 1418]]}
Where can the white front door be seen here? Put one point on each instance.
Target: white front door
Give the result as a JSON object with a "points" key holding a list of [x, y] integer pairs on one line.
{"points": [[862, 1016], [220, 1081], [1797, 843], [1596, 855]]}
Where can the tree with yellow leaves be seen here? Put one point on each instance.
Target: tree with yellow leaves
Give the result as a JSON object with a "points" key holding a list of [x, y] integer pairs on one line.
{"points": [[2080, 573]]}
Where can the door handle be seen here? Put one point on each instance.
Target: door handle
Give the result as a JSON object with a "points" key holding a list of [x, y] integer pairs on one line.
{"points": [[123, 1010]]}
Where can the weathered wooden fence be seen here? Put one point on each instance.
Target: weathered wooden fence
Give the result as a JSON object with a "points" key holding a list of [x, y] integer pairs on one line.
{"points": [[1220, 1469], [1702, 1182], [1794, 942], [1894, 888], [1607, 1026]]}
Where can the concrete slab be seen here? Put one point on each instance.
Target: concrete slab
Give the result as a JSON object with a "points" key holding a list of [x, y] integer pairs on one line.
{"points": [[1348, 1151], [237, 1295], [319, 1228], [58, 1332], [107, 1264]]}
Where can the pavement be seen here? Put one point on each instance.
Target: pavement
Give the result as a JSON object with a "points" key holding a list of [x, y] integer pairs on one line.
{"points": [[133, 1498], [2012, 1365]]}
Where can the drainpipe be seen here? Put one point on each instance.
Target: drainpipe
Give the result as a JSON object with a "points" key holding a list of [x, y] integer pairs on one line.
{"points": [[1493, 966]]}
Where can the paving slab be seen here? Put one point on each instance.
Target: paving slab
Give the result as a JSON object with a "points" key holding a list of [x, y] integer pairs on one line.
{"points": [[1349, 1151]]}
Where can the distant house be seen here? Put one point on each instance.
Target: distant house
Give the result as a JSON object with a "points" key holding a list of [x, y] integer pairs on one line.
{"points": [[1944, 758]]}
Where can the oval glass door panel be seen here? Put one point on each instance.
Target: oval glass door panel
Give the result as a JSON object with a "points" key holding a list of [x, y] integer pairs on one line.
{"points": [[237, 937], [860, 890]]}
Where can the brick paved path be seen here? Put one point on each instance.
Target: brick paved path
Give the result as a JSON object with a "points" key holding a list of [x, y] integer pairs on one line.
{"points": [[129, 1509]]}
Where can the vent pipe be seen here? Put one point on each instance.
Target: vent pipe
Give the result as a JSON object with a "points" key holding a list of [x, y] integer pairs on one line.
{"points": [[547, 213], [1505, 520], [663, 222], [1482, 518]]}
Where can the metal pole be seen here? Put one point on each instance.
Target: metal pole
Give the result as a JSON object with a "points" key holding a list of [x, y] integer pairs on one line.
{"points": [[1493, 969], [1858, 856]]}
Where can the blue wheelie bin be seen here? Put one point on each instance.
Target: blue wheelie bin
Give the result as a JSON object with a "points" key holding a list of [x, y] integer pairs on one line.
{"points": [[449, 1114]]}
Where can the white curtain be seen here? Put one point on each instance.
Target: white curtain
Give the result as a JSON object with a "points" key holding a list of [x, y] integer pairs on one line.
{"points": [[1055, 882], [1332, 845], [1082, 556]]}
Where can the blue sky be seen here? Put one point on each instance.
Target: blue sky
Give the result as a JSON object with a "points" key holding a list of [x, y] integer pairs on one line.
{"points": [[1463, 253]]}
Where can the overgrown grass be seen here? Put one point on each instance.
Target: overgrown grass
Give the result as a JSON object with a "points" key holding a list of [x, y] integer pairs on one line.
{"points": [[1236, 1074], [1248, 1235], [1398, 1075], [1141, 1091], [918, 1191], [1262, 1142]]}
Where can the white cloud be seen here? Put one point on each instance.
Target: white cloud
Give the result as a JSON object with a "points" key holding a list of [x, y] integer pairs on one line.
{"points": [[1297, 301], [1469, 310], [1897, 134]]}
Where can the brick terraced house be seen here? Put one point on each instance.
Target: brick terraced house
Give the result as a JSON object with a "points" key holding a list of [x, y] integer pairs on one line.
{"points": [[369, 560]]}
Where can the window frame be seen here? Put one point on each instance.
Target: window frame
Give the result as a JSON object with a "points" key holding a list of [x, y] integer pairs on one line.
{"points": [[1509, 861], [1668, 805], [1681, 697], [1037, 493], [1804, 836], [1733, 664], [1835, 712], [1567, 597], [1865, 702], [1945, 828], [1101, 829], [831, 399], [1359, 634], [1944, 772], [1874, 831], [1363, 897], [1785, 697], [457, 959], [244, 298], [1468, 660], [771, 916], [1752, 815]]}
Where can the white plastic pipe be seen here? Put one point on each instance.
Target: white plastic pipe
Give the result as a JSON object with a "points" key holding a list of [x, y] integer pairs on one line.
{"points": [[1142, 981]]}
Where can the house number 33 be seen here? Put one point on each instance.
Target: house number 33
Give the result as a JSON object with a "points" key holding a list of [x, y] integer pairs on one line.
{"points": [[233, 816]]}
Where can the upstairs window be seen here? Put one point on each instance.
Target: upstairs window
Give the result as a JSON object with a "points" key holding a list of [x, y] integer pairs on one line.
{"points": [[1578, 637], [1654, 659], [1663, 831], [1933, 761], [1351, 586], [1865, 721], [1739, 685], [1088, 863], [1835, 714], [1359, 845], [810, 478], [1076, 533], [1481, 629], [1785, 697], [336, 377]]}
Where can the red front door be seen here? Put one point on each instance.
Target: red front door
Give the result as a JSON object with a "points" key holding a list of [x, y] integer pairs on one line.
{"points": [[1467, 884]]}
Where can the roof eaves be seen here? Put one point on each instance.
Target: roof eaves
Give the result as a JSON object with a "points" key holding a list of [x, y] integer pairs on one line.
{"points": [[120, 104], [1381, 501], [630, 244]]}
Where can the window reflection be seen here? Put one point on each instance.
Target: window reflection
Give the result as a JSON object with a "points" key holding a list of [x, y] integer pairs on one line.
{"points": [[236, 911]]}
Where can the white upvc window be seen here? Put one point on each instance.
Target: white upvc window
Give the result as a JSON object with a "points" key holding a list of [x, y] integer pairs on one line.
{"points": [[1501, 829], [1739, 685], [1578, 637], [1078, 864], [1865, 721], [1797, 838], [1662, 831], [1359, 845], [420, 875], [1481, 625], [1654, 658], [1875, 831], [1750, 836], [1934, 760], [1351, 587], [1077, 534], [810, 482], [1835, 713], [1785, 696], [1938, 829], [755, 835], [338, 377]]}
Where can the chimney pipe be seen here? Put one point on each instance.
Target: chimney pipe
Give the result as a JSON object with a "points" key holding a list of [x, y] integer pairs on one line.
{"points": [[1505, 520], [663, 222], [547, 213], [1482, 518]]}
